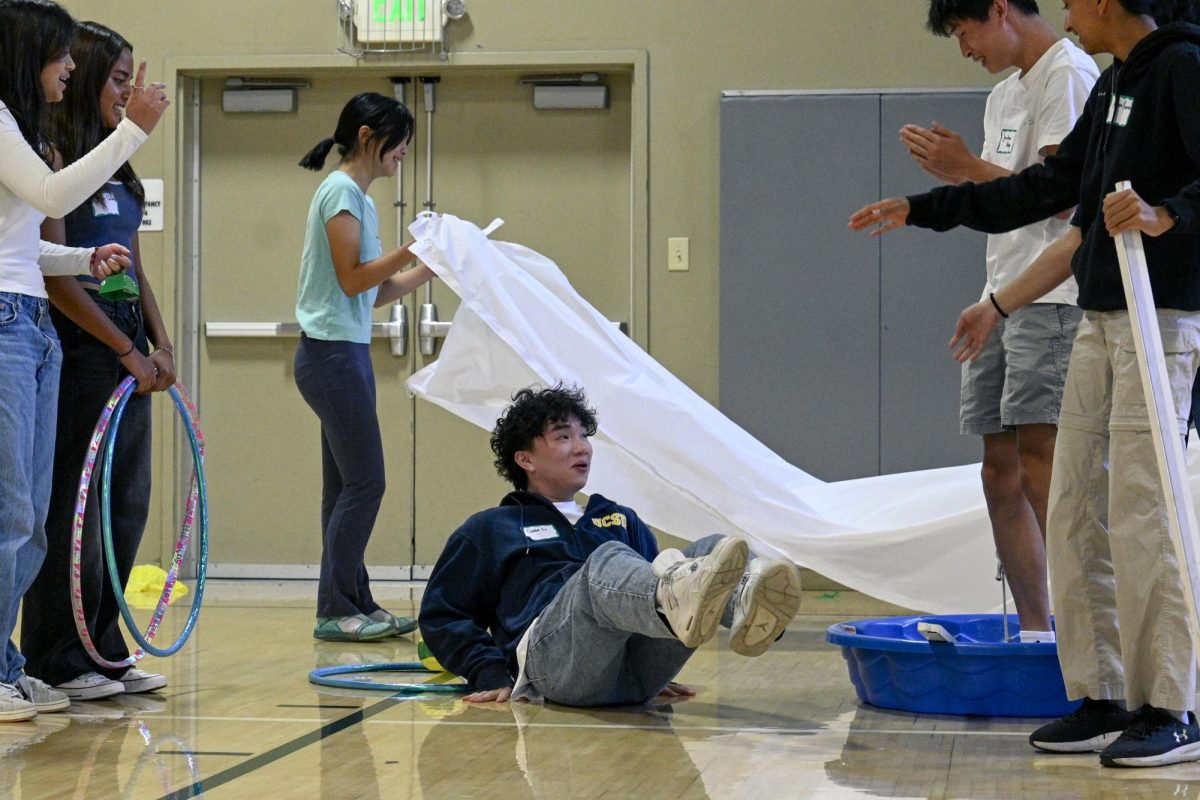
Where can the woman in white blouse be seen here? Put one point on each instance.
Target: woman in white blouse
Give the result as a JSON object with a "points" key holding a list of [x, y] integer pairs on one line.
{"points": [[35, 65]]}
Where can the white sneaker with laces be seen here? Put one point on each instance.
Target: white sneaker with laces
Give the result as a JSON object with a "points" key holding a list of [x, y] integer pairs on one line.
{"points": [[136, 681], [90, 686], [44, 699], [767, 599], [13, 705], [692, 592]]}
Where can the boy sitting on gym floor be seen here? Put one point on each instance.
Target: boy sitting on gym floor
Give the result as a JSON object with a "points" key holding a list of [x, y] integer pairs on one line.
{"points": [[543, 598]]}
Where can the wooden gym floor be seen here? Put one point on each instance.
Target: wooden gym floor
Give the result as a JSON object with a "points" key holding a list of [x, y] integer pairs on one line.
{"points": [[240, 720]]}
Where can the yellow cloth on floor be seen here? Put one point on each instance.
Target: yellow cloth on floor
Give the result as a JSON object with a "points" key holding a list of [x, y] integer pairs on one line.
{"points": [[145, 586]]}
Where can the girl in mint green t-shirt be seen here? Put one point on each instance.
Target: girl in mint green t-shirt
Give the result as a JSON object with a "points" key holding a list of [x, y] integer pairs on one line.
{"points": [[343, 274]]}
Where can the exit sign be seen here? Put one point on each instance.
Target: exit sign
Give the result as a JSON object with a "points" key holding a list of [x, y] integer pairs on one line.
{"points": [[398, 20]]}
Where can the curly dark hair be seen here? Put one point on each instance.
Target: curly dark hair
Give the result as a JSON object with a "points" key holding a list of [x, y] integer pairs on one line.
{"points": [[526, 419]]}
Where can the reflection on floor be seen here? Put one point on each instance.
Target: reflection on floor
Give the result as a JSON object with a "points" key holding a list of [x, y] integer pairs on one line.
{"points": [[239, 719]]}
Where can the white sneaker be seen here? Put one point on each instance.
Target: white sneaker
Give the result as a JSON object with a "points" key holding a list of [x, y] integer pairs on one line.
{"points": [[90, 686], [44, 699], [136, 681], [692, 592], [766, 601], [13, 705]]}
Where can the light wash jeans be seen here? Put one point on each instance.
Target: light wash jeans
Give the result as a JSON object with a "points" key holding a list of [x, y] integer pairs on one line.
{"points": [[601, 641], [90, 373], [29, 363]]}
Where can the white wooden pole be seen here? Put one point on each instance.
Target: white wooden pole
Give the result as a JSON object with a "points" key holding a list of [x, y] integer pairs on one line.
{"points": [[1168, 446]]}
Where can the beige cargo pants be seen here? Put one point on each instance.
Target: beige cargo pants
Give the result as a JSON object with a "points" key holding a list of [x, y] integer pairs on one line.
{"points": [[1116, 584]]}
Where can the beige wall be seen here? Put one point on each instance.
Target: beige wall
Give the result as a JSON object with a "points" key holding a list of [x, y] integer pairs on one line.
{"points": [[694, 50]]}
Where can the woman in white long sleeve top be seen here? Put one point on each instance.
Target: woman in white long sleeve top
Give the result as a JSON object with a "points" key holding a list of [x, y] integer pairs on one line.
{"points": [[35, 64]]}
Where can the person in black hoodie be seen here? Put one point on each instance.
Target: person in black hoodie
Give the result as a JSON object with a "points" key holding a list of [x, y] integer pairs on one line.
{"points": [[543, 598], [1118, 590]]}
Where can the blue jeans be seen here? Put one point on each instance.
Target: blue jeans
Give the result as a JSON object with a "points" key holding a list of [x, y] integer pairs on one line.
{"points": [[29, 362], [90, 373], [601, 640], [338, 383]]}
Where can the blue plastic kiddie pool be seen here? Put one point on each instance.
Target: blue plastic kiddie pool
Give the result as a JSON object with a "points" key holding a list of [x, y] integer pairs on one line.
{"points": [[893, 666]]}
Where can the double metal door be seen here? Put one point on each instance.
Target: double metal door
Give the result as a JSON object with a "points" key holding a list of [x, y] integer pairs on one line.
{"points": [[562, 181]]}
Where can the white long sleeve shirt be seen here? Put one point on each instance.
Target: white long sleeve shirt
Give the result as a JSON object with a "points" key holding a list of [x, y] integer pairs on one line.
{"points": [[30, 191]]}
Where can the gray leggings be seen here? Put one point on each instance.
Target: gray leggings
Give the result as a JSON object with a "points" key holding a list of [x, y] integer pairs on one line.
{"points": [[601, 641]]}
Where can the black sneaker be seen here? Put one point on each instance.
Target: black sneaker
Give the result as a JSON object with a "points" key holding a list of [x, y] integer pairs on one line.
{"points": [[1090, 728], [1155, 738]]}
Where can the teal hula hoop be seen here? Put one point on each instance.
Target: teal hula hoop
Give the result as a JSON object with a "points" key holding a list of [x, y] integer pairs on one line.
{"points": [[191, 428], [324, 676]]}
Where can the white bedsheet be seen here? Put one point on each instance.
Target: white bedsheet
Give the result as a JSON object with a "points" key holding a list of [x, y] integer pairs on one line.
{"points": [[919, 539]]}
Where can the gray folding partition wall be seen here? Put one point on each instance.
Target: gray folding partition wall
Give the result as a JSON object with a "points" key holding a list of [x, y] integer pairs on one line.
{"points": [[833, 345]]}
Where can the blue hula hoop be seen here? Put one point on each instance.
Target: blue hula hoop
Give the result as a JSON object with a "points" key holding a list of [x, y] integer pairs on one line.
{"points": [[322, 676], [106, 523]]}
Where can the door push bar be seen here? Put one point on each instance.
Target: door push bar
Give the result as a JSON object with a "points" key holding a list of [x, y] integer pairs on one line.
{"points": [[396, 329]]}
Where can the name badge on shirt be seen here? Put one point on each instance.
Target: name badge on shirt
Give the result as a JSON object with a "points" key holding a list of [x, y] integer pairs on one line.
{"points": [[1008, 141], [105, 205], [1119, 109], [540, 533]]}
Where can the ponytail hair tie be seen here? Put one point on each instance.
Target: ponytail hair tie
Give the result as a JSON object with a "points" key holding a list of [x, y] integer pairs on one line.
{"points": [[315, 158]]}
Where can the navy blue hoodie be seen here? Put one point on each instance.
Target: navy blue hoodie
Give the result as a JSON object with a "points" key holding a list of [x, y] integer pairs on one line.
{"points": [[501, 568], [1141, 123]]}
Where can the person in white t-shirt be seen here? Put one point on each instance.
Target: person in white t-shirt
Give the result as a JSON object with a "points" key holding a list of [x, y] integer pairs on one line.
{"points": [[1011, 395], [35, 41]]}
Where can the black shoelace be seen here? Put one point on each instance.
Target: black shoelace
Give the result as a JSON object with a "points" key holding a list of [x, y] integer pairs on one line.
{"points": [[1149, 721], [1091, 708]]}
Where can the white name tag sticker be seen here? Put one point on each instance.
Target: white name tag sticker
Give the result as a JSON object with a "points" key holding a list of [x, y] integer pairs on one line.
{"points": [[1124, 107], [105, 205], [1008, 141], [1119, 109], [540, 533]]}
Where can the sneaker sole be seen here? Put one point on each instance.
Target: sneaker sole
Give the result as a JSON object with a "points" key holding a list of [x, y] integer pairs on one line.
{"points": [[1093, 745], [1188, 752], [54, 706], [342, 636], [774, 604], [91, 692], [19, 714], [144, 685], [728, 563], [401, 630]]}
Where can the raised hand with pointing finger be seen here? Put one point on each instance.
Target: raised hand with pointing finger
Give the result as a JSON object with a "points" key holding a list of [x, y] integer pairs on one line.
{"points": [[147, 103]]}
